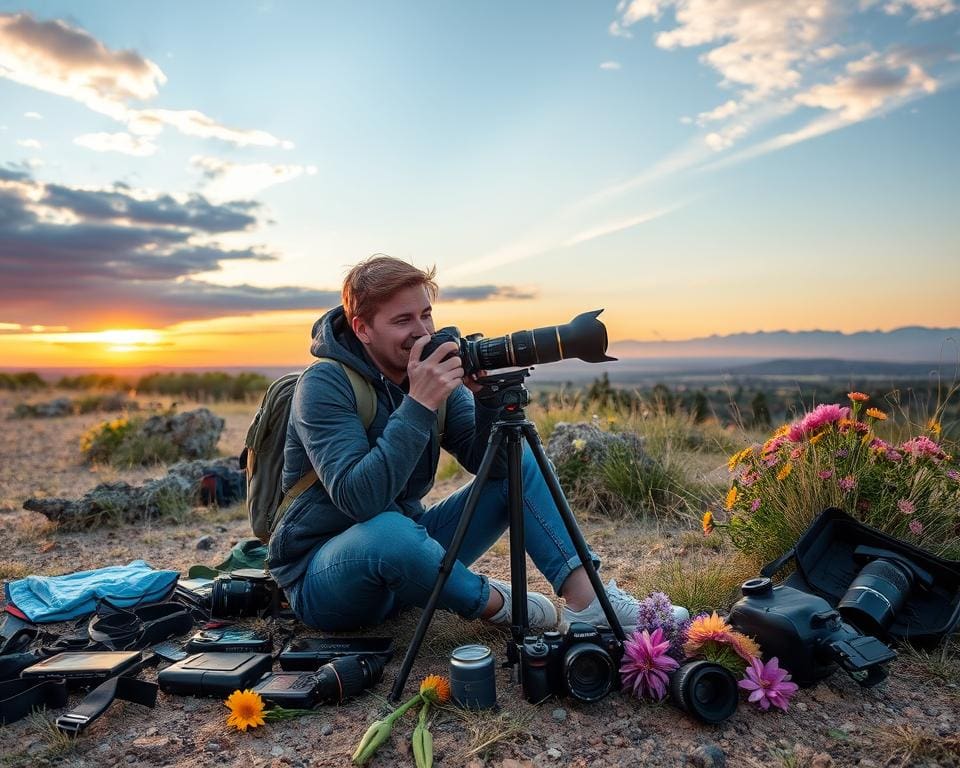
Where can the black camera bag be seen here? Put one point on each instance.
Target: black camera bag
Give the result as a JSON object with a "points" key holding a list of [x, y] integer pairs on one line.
{"points": [[826, 565]]}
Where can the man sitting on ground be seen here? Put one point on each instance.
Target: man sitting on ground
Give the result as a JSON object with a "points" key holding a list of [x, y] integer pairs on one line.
{"points": [[359, 545]]}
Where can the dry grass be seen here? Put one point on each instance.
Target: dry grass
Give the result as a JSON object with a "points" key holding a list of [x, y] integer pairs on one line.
{"points": [[907, 745], [486, 729], [700, 582]]}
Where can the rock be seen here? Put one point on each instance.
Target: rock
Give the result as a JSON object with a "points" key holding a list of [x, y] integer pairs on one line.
{"points": [[559, 714], [590, 444], [821, 760], [194, 433], [277, 751], [326, 729], [554, 754], [912, 713], [211, 746], [205, 542], [707, 756]]}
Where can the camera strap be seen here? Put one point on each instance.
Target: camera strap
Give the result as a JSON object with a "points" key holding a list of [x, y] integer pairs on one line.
{"points": [[100, 698], [122, 629], [20, 696]]}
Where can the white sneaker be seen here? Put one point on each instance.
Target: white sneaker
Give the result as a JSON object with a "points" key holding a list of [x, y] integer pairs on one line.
{"points": [[625, 606], [541, 612]]}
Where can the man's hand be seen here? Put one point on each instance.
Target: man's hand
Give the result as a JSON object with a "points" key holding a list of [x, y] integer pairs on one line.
{"points": [[433, 379], [470, 381]]}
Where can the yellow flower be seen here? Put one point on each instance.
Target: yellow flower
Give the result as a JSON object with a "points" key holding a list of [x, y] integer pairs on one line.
{"points": [[858, 397], [877, 414], [707, 522], [934, 427], [246, 710], [817, 438], [435, 688], [579, 444], [703, 628], [781, 431], [731, 498], [785, 470], [738, 457]]}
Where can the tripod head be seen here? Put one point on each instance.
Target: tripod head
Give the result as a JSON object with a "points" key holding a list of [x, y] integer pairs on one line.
{"points": [[506, 392]]}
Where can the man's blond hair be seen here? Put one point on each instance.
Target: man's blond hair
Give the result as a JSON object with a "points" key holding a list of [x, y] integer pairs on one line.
{"points": [[374, 281]]}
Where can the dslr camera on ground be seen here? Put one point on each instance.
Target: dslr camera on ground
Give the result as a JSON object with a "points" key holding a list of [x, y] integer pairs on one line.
{"points": [[583, 663]]}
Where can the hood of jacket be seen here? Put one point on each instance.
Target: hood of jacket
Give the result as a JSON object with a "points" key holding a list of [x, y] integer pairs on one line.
{"points": [[333, 338]]}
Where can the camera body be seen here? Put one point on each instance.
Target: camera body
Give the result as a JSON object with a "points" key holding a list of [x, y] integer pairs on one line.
{"points": [[583, 663], [807, 636], [245, 592]]}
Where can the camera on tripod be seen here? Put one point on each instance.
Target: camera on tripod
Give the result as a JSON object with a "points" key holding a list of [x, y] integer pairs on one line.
{"points": [[583, 663]]}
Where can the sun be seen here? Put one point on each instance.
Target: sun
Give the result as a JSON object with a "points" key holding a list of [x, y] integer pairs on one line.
{"points": [[125, 340]]}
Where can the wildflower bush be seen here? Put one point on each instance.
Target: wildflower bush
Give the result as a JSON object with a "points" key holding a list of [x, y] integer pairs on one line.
{"points": [[835, 456], [121, 442], [100, 443]]}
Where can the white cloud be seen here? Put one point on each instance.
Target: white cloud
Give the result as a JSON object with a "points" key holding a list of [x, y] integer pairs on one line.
{"points": [[225, 180], [725, 110], [123, 143], [55, 57], [924, 10], [30, 144], [869, 85], [610, 65], [33, 116]]}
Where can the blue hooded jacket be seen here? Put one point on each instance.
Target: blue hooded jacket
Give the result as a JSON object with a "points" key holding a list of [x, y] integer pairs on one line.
{"points": [[362, 473]]}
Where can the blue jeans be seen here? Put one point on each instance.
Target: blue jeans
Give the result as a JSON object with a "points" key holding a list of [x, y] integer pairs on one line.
{"points": [[374, 569]]}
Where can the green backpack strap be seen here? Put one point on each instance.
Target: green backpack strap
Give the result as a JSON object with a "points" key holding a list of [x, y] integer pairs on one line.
{"points": [[363, 392]]}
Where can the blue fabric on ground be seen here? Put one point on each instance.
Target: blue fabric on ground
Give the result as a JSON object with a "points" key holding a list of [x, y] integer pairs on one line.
{"points": [[60, 598]]}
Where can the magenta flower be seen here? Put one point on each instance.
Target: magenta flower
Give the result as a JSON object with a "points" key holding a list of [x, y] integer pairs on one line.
{"points": [[906, 506], [923, 446], [953, 475], [755, 505], [826, 474], [916, 527], [645, 664], [819, 417], [768, 684], [847, 483], [748, 478]]}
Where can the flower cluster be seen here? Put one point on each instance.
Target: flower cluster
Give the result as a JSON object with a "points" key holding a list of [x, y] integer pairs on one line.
{"points": [[648, 662], [834, 457], [247, 710]]}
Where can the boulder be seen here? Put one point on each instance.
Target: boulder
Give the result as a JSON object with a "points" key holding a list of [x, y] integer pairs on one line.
{"points": [[591, 445], [194, 433]]}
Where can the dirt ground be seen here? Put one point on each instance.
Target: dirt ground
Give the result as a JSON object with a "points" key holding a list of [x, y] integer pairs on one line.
{"points": [[912, 719]]}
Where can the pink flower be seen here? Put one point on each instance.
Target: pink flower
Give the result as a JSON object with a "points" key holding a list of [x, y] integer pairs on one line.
{"points": [[755, 505], [953, 475], [906, 506], [847, 483], [826, 474], [646, 663], [841, 454], [768, 684], [923, 446], [748, 478], [819, 417], [916, 527]]}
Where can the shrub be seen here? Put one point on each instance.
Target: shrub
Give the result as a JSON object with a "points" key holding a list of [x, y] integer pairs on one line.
{"points": [[833, 456], [100, 443]]}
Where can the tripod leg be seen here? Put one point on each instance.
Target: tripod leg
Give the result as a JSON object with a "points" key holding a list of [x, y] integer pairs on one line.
{"points": [[449, 559], [519, 624], [570, 522]]}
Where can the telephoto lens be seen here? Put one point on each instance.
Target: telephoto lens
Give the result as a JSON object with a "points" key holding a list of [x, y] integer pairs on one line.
{"points": [[473, 683], [876, 595], [705, 691], [347, 676], [245, 592]]}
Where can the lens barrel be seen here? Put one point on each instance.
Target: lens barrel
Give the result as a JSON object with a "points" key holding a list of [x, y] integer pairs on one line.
{"points": [[876, 595], [705, 691], [589, 672], [347, 676]]}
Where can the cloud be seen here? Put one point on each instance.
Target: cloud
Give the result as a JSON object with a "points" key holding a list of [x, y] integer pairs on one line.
{"points": [[924, 10], [55, 57], [225, 180], [484, 292], [123, 143], [868, 86], [610, 65], [30, 144], [33, 116], [71, 256]]}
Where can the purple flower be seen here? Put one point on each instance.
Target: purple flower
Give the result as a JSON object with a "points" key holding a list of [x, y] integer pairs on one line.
{"points": [[656, 612], [768, 684], [645, 664], [916, 527], [755, 505], [825, 474], [953, 474], [847, 483], [906, 506]]}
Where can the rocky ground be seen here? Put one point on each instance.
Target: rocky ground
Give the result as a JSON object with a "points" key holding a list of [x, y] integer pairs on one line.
{"points": [[912, 719]]}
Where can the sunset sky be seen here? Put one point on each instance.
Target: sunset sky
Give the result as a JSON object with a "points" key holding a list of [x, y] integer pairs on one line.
{"points": [[187, 183]]}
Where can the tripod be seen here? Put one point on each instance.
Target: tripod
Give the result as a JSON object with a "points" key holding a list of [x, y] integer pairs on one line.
{"points": [[512, 428]]}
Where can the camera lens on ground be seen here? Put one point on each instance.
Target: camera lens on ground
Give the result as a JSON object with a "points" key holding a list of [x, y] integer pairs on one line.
{"points": [[876, 595], [589, 672], [347, 676], [704, 690]]}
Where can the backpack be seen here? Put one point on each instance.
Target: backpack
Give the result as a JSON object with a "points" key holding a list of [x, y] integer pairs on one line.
{"points": [[262, 456]]}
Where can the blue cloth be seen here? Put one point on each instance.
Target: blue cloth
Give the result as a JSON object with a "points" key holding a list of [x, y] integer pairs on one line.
{"points": [[60, 598], [377, 567]]}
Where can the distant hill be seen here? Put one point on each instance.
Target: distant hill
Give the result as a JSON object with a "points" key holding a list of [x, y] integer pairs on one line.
{"points": [[903, 345]]}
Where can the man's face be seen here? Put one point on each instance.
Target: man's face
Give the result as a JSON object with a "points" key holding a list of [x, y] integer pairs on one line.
{"points": [[399, 322]]}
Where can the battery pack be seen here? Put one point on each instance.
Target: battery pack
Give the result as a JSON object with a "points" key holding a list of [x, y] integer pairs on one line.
{"points": [[214, 674]]}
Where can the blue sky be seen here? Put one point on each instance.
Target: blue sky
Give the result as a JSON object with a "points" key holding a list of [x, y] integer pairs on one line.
{"points": [[693, 166]]}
